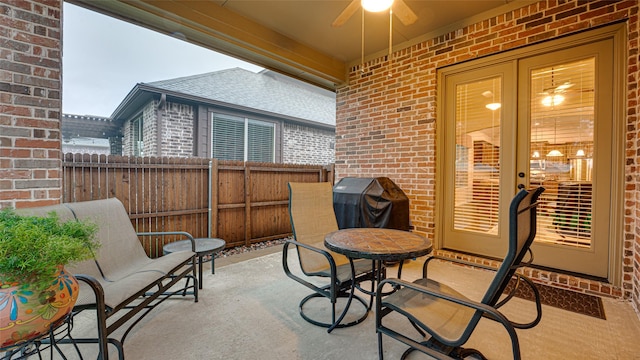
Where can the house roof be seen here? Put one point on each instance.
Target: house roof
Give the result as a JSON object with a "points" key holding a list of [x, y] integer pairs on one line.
{"points": [[266, 92], [88, 126]]}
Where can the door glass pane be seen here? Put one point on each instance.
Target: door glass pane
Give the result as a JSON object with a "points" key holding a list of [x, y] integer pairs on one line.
{"points": [[477, 161], [562, 138]]}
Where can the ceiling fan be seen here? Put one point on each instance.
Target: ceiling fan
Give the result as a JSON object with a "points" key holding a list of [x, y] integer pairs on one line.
{"points": [[399, 7]]}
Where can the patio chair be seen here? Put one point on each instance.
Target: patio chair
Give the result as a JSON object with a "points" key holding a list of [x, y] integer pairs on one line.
{"points": [[312, 217], [444, 317]]}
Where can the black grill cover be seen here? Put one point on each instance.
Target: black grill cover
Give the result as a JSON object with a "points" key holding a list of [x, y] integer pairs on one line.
{"points": [[370, 202]]}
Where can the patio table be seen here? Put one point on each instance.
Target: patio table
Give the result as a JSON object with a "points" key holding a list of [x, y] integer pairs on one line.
{"points": [[204, 246], [378, 244]]}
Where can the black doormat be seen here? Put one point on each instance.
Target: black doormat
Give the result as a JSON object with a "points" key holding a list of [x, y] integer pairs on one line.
{"points": [[562, 298]]}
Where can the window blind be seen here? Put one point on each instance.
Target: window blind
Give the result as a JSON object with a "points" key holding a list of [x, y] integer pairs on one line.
{"points": [[228, 137]]}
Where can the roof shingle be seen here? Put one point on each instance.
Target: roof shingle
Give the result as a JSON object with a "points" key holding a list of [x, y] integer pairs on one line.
{"points": [[266, 91]]}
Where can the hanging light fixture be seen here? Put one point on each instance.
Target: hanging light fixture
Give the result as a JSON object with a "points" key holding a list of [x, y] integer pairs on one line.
{"points": [[555, 152], [376, 5], [493, 106]]}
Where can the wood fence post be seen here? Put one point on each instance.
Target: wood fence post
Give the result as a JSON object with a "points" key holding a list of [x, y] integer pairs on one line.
{"points": [[247, 205], [213, 219]]}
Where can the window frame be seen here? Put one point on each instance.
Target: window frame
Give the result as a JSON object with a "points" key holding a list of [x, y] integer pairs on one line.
{"points": [[247, 118]]}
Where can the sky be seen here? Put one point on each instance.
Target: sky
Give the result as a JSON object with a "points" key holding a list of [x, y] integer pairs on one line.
{"points": [[103, 58]]}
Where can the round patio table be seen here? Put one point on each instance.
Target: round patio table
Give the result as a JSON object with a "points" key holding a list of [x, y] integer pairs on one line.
{"points": [[379, 245], [204, 247]]}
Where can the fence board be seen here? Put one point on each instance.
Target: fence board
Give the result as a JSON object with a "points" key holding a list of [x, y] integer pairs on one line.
{"points": [[243, 203]]}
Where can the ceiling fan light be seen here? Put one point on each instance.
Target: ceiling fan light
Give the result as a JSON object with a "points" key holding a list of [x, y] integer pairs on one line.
{"points": [[376, 5], [550, 100]]}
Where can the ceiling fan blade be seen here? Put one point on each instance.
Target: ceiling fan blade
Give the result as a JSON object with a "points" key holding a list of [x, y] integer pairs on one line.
{"points": [[404, 12], [346, 13]]}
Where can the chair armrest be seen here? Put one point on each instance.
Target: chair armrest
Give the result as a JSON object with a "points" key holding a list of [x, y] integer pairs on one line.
{"points": [[536, 294], [457, 261], [101, 312], [160, 233], [486, 311], [511, 294], [326, 254], [95, 286]]}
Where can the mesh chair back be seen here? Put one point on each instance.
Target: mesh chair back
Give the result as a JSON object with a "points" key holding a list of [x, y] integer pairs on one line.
{"points": [[312, 217], [125, 251], [522, 231]]}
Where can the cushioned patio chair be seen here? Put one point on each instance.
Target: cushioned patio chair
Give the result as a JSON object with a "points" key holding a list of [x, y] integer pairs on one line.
{"points": [[444, 317], [313, 217]]}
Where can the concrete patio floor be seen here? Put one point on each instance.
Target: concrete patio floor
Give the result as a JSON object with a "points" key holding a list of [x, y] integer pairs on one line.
{"points": [[248, 309]]}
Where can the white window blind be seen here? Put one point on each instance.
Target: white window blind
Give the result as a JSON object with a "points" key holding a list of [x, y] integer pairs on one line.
{"points": [[477, 168], [562, 139], [260, 144], [237, 138], [228, 137]]}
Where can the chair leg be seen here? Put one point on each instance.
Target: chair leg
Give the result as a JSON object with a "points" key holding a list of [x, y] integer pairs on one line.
{"points": [[380, 355]]}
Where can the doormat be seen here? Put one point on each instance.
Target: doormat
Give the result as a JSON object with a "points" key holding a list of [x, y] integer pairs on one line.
{"points": [[562, 298]]}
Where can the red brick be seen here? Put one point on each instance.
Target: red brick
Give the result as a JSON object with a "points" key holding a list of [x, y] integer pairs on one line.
{"points": [[28, 143], [15, 195], [30, 204]]}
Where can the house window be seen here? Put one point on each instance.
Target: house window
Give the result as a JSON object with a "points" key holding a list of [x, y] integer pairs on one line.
{"points": [[238, 138], [138, 141]]}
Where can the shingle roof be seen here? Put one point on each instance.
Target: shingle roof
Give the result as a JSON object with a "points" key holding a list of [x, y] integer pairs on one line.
{"points": [[266, 90], [88, 126]]}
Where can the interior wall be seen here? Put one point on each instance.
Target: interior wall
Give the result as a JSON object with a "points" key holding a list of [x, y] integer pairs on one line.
{"points": [[386, 113]]}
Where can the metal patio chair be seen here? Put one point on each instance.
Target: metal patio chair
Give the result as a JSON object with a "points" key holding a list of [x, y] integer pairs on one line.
{"points": [[444, 317], [313, 217]]}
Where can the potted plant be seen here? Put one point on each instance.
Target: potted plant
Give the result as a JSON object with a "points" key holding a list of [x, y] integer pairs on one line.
{"points": [[35, 290]]}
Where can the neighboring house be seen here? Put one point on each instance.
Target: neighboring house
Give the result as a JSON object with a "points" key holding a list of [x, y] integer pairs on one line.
{"points": [[232, 114], [90, 135]]}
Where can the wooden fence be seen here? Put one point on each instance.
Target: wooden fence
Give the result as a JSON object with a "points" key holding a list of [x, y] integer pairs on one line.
{"points": [[242, 203]]}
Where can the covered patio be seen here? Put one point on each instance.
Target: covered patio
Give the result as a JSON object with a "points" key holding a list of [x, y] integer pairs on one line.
{"points": [[244, 314], [389, 122]]}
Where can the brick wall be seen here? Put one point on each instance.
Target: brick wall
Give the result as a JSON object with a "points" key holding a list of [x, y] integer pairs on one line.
{"points": [[305, 145], [30, 87], [386, 125], [149, 128], [177, 130], [301, 144]]}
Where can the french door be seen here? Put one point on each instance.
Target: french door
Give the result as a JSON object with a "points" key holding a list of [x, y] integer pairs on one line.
{"points": [[537, 120]]}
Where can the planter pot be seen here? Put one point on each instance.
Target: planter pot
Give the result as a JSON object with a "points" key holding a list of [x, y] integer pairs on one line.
{"points": [[26, 314]]}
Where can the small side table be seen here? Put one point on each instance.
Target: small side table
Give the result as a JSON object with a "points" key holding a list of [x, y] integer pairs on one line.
{"points": [[204, 247]]}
